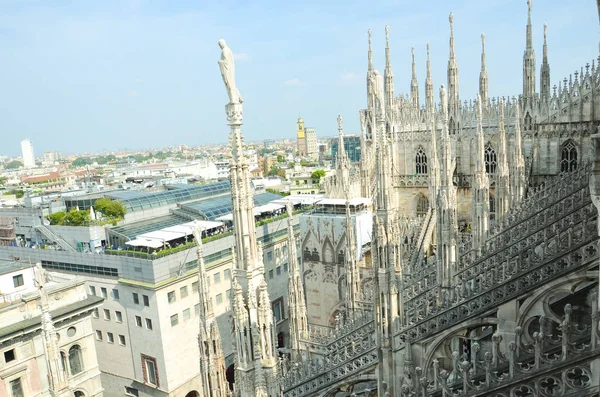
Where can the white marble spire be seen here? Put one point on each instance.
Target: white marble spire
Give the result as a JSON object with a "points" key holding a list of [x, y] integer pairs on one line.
{"points": [[483, 75], [414, 84], [296, 299], [481, 185], [429, 95], [212, 361]]}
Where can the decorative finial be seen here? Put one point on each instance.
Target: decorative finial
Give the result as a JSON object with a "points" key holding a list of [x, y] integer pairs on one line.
{"points": [[369, 32], [451, 18], [545, 31], [483, 42], [443, 98], [412, 51], [529, 6], [339, 121], [427, 49]]}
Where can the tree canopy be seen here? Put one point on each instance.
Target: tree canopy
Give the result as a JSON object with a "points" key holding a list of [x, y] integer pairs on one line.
{"points": [[110, 208], [318, 174], [13, 165]]}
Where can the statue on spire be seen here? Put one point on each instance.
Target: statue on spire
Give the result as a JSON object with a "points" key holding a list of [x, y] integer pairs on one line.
{"points": [[228, 73]]}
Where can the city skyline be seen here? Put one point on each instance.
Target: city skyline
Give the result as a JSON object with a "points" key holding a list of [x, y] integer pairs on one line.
{"points": [[140, 75]]}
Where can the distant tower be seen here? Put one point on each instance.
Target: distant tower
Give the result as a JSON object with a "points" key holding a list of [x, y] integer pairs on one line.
{"points": [[503, 178], [529, 60], [301, 136], [27, 153], [388, 77]]}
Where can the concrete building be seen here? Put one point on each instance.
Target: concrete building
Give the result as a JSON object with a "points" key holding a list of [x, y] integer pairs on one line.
{"points": [[27, 153], [312, 148], [46, 337]]}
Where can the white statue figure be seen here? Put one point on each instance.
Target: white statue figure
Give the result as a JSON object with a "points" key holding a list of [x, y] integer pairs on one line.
{"points": [[228, 72]]}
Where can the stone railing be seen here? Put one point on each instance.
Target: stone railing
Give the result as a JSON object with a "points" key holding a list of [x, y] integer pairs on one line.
{"points": [[558, 236], [416, 180], [563, 364]]}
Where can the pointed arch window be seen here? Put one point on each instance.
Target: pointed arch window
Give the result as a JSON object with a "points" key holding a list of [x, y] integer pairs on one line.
{"points": [[491, 161], [568, 157], [452, 126], [492, 208], [528, 122], [422, 205], [421, 161]]}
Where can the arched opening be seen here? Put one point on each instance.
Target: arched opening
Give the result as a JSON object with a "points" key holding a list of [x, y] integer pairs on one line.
{"points": [[528, 122], [492, 204], [422, 205], [568, 157], [421, 161], [490, 158], [193, 393], [75, 360], [230, 376]]}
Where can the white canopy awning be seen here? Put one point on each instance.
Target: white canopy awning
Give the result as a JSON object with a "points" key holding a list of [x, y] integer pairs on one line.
{"points": [[143, 242], [179, 231]]}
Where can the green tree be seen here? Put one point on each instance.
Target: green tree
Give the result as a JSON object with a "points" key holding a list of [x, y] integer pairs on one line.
{"points": [[2, 180], [317, 174], [57, 218], [110, 208], [81, 161], [13, 164], [280, 159], [77, 218]]}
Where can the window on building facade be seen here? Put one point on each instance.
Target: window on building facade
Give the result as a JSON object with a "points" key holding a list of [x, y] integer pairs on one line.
{"points": [[278, 310], [18, 280], [186, 314], [490, 159], [150, 370], [138, 321], [75, 360], [174, 320], [63, 361], [421, 161], [110, 337], [98, 335], [136, 298], [118, 316], [197, 309], [217, 278], [285, 267], [115, 294], [130, 391], [107, 314], [92, 290], [195, 287], [492, 208], [171, 296], [146, 300], [78, 393], [269, 256], [278, 270], [271, 274], [568, 157], [183, 292], [226, 274], [9, 356], [219, 299], [16, 388], [103, 292], [95, 313], [422, 205], [149, 324]]}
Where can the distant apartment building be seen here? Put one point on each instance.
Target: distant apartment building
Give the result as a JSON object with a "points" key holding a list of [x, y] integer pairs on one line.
{"points": [[51, 157], [222, 169], [312, 148], [47, 345], [351, 146], [27, 153]]}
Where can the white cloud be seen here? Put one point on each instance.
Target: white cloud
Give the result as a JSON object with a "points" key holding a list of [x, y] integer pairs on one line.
{"points": [[242, 56], [295, 82], [349, 77]]}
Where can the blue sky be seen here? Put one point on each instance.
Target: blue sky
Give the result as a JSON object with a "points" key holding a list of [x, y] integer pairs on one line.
{"points": [[82, 76]]}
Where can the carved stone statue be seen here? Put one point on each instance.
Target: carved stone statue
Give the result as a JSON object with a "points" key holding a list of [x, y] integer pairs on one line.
{"points": [[228, 73]]}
